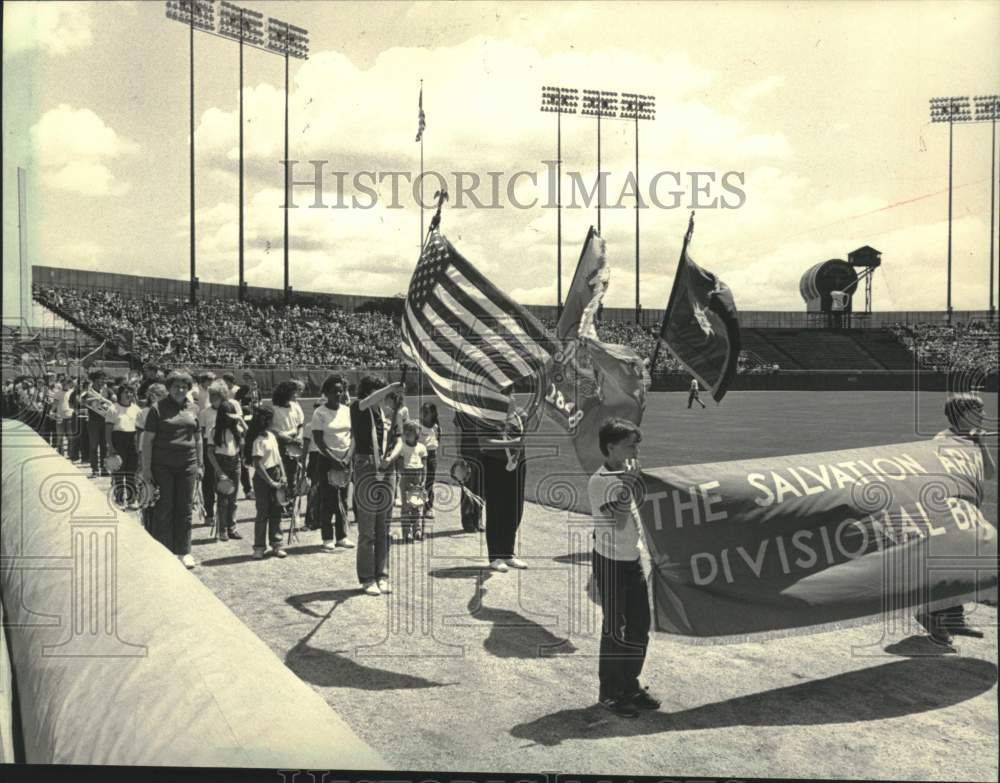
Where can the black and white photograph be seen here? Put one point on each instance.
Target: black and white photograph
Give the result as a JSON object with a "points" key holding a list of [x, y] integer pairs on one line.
{"points": [[499, 391]]}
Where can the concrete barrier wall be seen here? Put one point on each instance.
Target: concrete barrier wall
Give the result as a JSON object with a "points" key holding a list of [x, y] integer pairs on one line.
{"points": [[122, 657]]}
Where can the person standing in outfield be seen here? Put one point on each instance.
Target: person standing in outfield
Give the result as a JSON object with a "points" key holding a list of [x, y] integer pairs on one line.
{"points": [[964, 412], [693, 393], [331, 449], [216, 393], [614, 502], [412, 456], [373, 490], [120, 433], [223, 435], [171, 459], [248, 396], [154, 393], [430, 434], [287, 426], [268, 477]]}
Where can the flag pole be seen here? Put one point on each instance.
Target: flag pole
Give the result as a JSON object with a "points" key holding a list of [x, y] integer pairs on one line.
{"points": [[673, 293], [420, 200]]}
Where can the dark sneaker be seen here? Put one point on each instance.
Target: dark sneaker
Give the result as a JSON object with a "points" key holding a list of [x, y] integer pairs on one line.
{"points": [[223, 535], [932, 624], [623, 708], [234, 533], [643, 700]]}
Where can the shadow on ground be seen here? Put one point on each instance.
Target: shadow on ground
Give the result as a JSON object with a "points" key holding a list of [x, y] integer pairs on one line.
{"points": [[890, 690]]}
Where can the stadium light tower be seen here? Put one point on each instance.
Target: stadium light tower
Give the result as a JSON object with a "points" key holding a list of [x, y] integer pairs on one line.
{"points": [[637, 107], [561, 100], [950, 110], [246, 27], [288, 41], [200, 14], [599, 103], [988, 110]]}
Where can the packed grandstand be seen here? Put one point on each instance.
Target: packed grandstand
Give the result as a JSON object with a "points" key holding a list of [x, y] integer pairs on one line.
{"points": [[311, 333]]}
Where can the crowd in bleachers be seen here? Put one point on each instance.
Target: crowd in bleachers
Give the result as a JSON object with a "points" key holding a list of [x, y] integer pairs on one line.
{"points": [[950, 347]]}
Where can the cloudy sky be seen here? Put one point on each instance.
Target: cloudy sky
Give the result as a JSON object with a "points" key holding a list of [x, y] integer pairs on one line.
{"points": [[820, 109]]}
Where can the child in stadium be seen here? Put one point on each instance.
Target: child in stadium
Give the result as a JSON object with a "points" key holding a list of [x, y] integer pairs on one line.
{"points": [[430, 434], [413, 459], [223, 438], [268, 475], [614, 500], [120, 436], [964, 412]]}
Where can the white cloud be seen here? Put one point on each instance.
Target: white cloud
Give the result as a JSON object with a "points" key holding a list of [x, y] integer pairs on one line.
{"points": [[72, 146], [53, 27]]}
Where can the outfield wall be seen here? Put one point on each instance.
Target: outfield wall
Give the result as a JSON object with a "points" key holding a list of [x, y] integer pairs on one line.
{"points": [[122, 657]]}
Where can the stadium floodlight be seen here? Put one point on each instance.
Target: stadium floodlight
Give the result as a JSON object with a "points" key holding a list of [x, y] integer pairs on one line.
{"points": [[196, 14], [241, 24], [599, 103], [988, 110], [953, 110], [637, 107], [560, 101]]}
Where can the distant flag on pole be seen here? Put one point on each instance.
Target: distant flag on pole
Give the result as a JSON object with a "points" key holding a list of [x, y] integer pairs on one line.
{"points": [[421, 120], [94, 355], [700, 325]]}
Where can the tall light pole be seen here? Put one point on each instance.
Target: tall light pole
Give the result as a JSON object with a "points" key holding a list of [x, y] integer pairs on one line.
{"points": [[289, 41], [200, 14], [561, 100], [246, 27], [988, 110], [950, 110], [599, 103], [637, 107]]}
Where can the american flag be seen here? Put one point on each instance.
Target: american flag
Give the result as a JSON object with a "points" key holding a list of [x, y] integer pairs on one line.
{"points": [[421, 121], [471, 341]]}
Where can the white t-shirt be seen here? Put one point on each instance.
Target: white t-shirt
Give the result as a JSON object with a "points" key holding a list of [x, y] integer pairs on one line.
{"points": [[413, 456], [607, 487], [288, 419], [124, 417], [336, 428], [429, 437], [65, 409], [266, 446]]}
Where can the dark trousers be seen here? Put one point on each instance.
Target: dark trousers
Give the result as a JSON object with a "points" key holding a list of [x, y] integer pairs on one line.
{"points": [[245, 479], [330, 504], [472, 512], [208, 482], [74, 438], [503, 491], [267, 525], [123, 479], [171, 523], [693, 397], [83, 437], [225, 504], [291, 466], [431, 463], [95, 434], [625, 631]]}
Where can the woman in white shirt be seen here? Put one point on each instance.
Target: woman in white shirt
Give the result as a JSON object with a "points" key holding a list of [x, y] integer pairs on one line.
{"points": [[120, 436], [331, 448]]}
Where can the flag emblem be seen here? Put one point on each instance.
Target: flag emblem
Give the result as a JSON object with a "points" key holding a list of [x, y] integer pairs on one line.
{"points": [[471, 341], [421, 120]]}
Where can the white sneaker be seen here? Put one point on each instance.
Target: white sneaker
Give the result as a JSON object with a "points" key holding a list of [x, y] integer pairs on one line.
{"points": [[279, 552], [514, 562], [188, 561], [370, 588], [329, 546], [499, 565], [345, 543], [383, 586]]}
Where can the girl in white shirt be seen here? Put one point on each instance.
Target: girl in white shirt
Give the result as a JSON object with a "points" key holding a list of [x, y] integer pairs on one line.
{"points": [[430, 434], [120, 436], [224, 439], [287, 426], [268, 475], [413, 463], [331, 448]]}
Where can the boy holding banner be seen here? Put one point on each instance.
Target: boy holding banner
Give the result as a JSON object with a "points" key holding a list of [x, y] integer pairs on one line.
{"points": [[614, 492]]}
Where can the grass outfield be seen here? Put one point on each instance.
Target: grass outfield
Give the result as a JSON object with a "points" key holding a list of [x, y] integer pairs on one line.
{"points": [[459, 669]]}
